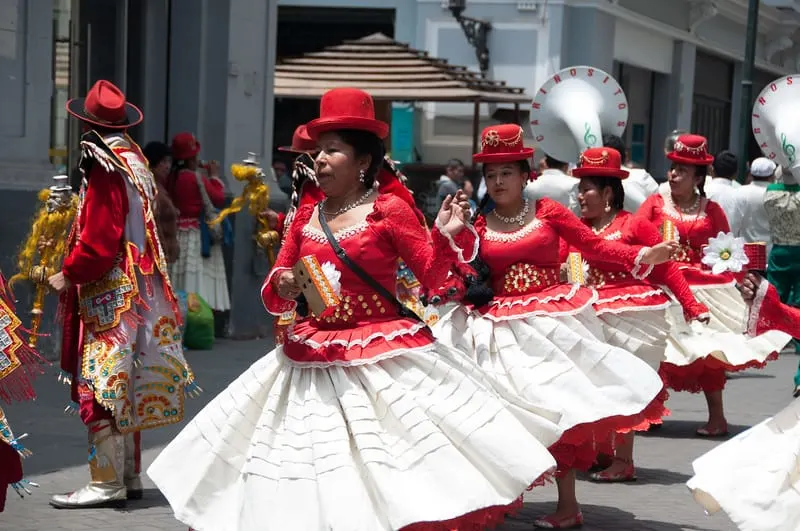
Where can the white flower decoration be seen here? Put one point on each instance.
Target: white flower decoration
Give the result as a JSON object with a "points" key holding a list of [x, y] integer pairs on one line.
{"points": [[725, 253], [334, 277]]}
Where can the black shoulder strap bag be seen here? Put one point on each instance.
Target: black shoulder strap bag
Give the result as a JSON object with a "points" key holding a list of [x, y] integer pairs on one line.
{"points": [[402, 310]]}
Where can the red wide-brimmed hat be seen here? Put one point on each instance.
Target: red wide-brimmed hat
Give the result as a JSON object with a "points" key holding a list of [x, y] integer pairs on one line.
{"points": [[502, 143], [301, 142], [691, 149], [346, 108], [105, 106], [600, 162], [184, 146]]}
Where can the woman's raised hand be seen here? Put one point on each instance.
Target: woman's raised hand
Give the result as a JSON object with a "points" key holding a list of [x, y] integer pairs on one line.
{"points": [[454, 214]]}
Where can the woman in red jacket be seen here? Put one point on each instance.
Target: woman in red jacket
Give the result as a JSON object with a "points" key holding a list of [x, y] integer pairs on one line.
{"points": [[698, 356], [194, 190], [633, 312]]}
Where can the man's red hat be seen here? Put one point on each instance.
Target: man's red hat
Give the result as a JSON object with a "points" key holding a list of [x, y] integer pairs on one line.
{"points": [[105, 106]]}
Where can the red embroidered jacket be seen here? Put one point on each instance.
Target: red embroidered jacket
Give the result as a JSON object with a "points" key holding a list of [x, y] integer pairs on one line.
{"points": [[633, 230]]}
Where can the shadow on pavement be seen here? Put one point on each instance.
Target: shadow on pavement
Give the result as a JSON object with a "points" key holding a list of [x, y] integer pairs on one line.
{"points": [[685, 429], [598, 518]]}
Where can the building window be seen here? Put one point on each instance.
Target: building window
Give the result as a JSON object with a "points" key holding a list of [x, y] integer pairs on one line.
{"points": [[711, 105], [61, 72]]}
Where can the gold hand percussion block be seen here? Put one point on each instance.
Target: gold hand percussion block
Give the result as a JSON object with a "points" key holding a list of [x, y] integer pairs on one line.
{"points": [[575, 272], [318, 291], [668, 231]]}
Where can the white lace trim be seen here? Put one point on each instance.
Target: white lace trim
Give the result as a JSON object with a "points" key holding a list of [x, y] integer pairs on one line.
{"points": [[616, 235], [628, 309], [318, 236], [356, 342], [636, 272], [456, 249], [628, 296], [265, 285], [353, 363], [637, 308], [672, 211], [543, 311], [494, 236], [755, 309]]}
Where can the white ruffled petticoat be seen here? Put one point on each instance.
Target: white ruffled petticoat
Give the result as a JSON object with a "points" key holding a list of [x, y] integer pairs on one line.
{"points": [[755, 477], [557, 361], [418, 436], [723, 337], [642, 333]]}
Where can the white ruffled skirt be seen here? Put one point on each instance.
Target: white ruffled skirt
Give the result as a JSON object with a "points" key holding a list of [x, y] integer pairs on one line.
{"points": [[643, 333], [194, 274], [755, 477], [723, 337], [558, 362], [415, 437]]}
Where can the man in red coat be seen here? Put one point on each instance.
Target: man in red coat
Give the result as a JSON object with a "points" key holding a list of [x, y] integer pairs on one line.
{"points": [[121, 346]]}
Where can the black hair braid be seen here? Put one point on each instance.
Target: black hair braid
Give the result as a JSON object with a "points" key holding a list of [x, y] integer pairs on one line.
{"points": [[388, 164], [701, 171], [481, 208]]}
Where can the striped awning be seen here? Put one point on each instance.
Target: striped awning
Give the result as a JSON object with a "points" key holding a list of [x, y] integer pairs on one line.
{"points": [[388, 70]]}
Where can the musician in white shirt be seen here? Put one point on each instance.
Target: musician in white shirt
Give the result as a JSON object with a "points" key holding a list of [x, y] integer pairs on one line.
{"points": [[720, 189], [639, 185], [753, 221], [555, 183]]}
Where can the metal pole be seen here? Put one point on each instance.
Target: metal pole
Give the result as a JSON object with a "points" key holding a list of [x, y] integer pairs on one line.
{"points": [[747, 88]]}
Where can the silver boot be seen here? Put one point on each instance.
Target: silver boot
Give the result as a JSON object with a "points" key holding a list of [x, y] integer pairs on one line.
{"points": [[106, 467], [133, 465]]}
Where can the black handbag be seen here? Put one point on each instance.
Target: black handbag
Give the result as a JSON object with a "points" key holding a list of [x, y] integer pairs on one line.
{"points": [[402, 310]]}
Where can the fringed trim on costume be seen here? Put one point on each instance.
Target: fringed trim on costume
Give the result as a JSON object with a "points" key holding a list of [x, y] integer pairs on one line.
{"points": [[118, 335], [72, 408], [64, 378], [90, 150], [16, 386], [21, 487], [705, 374], [482, 519], [18, 446], [192, 390]]}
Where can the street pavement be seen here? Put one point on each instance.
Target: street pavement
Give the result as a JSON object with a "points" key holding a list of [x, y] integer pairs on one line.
{"points": [[658, 501]]}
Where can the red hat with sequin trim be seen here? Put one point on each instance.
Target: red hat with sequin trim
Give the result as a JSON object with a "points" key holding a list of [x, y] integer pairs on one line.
{"points": [[502, 143], [301, 142], [600, 162], [184, 146], [105, 106], [691, 149], [346, 108]]}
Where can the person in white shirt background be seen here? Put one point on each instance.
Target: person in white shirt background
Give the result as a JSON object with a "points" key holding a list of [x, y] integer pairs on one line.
{"points": [[720, 189], [639, 185], [555, 183], [753, 221]]}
